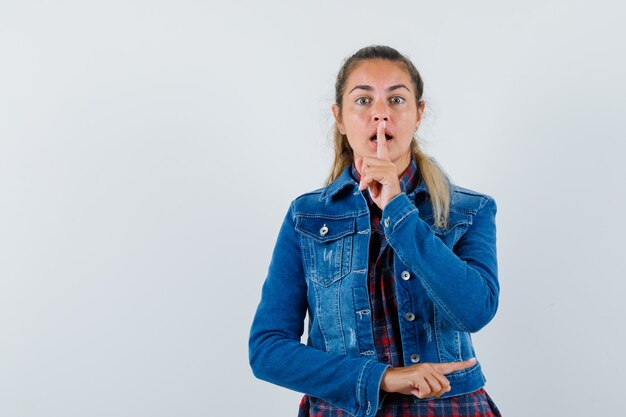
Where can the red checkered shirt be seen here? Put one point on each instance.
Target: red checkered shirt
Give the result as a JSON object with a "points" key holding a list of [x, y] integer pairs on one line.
{"points": [[386, 326]]}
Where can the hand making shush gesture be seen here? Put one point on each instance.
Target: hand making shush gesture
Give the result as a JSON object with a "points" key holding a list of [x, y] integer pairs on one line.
{"points": [[379, 174]]}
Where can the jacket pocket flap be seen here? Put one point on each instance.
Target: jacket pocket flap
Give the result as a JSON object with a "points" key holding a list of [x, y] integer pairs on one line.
{"points": [[325, 229]]}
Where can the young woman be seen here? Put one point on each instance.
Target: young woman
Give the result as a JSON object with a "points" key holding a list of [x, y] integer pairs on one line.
{"points": [[394, 264]]}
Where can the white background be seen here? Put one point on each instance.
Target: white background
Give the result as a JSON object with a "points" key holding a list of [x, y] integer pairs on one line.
{"points": [[149, 151]]}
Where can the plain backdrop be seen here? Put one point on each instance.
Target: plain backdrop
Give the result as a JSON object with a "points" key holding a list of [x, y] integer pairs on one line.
{"points": [[150, 149]]}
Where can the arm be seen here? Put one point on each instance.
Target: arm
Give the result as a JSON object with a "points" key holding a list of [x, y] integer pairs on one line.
{"points": [[462, 283], [275, 352]]}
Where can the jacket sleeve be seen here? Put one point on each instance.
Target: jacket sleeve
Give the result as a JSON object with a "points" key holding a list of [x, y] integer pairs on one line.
{"points": [[462, 282], [275, 352]]}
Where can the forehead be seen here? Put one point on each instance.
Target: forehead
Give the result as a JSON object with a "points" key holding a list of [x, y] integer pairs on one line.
{"points": [[378, 73]]}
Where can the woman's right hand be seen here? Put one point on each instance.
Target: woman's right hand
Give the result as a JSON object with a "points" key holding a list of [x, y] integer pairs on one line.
{"points": [[422, 380]]}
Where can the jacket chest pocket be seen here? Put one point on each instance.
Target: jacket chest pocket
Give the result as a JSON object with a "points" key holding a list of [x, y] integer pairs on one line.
{"points": [[326, 247]]}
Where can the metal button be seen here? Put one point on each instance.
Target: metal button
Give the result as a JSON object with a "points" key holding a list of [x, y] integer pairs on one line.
{"points": [[387, 222], [409, 316], [415, 358], [323, 230], [406, 275]]}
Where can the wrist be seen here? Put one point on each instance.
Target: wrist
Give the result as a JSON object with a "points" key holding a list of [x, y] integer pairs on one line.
{"points": [[385, 383], [392, 197]]}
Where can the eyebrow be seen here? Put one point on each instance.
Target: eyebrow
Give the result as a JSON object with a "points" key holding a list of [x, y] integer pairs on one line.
{"points": [[369, 88]]}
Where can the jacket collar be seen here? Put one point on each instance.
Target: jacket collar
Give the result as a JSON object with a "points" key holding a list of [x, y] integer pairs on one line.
{"points": [[345, 180]]}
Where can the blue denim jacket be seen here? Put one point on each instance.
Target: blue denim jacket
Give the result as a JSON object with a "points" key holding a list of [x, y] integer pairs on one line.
{"points": [[446, 279]]}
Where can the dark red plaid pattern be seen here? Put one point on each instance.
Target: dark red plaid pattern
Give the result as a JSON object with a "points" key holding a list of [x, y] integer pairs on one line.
{"points": [[381, 283], [474, 404]]}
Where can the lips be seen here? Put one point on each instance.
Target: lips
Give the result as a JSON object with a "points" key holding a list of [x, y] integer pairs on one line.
{"points": [[375, 137]]}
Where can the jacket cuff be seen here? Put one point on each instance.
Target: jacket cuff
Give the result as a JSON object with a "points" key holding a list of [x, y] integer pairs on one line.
{"points": [[397, 209], [369, 388]]}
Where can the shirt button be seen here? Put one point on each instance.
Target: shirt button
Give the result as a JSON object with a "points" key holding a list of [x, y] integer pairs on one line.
{"points": [[415, 358], [406, 275], [387, 222], [409, 316], [323, 230], [385, 359]]}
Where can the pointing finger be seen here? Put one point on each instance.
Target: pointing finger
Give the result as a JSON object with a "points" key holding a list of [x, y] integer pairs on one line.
{"points": [[446, 368]]}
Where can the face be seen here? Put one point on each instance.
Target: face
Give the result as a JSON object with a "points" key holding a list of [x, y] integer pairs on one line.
{"points": [[379, 90]]}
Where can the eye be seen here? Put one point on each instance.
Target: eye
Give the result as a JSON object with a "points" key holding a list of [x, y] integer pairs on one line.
{"points": [[398, 101], [358, 100]]}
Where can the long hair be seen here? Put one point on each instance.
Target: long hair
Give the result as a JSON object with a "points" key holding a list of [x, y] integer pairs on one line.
{"points": [[431, 173]]}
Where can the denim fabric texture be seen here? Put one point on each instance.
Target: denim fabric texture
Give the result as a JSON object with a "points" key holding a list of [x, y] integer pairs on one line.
{"points": [[446, 277]]}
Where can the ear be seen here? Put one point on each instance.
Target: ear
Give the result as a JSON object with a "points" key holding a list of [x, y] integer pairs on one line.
{"points": [[420, 113], [335, 109]]}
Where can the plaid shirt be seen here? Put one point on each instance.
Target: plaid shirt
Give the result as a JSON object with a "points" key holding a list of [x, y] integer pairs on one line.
{"points": [[386, 326], [381, 282]]}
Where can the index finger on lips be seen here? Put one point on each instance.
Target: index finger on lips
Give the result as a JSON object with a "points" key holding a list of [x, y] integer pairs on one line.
{"points": [[381, 142]]}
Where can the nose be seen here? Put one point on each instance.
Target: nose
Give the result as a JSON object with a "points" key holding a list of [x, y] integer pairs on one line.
{"points": [[380, 112]]}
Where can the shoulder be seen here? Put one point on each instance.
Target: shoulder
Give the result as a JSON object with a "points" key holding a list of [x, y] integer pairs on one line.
{"points": [[333, 200], [307, 201], [310, 196], [468, 200]]}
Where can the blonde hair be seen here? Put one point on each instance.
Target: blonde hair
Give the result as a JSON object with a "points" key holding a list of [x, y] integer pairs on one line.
{"points": [[430, 171]]}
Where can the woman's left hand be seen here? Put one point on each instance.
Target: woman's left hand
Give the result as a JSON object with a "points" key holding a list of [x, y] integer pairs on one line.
{"points": [[379, 174]]}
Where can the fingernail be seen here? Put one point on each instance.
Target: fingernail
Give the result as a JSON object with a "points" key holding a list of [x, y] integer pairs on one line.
{"points": [[472, 359]]}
